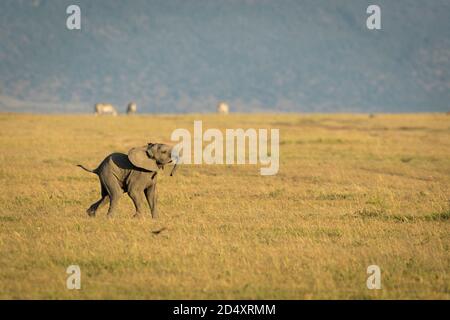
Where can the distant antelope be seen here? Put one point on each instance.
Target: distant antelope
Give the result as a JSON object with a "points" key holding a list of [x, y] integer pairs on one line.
{"points": [[223, 108], [105, 108], [131, 108]]}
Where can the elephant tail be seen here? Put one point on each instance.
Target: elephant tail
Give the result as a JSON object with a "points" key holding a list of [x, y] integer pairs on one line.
{"points": [[88, 170]]}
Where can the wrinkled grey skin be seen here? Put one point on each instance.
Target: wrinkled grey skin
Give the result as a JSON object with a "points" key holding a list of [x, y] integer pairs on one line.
{"points": [[118, 175]]}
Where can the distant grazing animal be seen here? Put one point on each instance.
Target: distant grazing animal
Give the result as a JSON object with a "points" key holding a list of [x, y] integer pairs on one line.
{"points": [[223, 108], [134, 174], [131, 108], [105, 108]]}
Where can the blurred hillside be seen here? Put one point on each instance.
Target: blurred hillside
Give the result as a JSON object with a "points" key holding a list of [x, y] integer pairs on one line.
{"points": [[184, 56]]}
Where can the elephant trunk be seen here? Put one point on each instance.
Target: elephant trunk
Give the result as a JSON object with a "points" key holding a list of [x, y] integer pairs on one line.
{"points": [[174, 167]]}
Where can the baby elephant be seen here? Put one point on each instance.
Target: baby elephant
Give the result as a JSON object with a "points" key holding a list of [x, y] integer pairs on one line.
{"points": [[134, 174]]}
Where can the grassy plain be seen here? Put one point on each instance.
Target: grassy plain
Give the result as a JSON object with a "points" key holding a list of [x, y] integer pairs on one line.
{"points": [[352, 191]]}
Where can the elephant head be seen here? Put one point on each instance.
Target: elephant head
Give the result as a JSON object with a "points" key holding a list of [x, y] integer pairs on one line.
{"points": [[152, 157]]}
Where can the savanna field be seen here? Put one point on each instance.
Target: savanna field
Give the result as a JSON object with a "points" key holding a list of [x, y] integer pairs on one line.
{"points": [[351, 191]]}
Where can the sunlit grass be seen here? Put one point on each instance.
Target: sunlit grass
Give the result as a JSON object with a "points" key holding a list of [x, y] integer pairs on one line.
{"points": [[352, 191]]}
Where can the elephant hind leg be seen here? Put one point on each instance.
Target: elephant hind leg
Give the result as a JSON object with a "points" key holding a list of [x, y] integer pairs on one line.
{"points": [[138, 200], [96, 205], [150, 194], [114, 191]]}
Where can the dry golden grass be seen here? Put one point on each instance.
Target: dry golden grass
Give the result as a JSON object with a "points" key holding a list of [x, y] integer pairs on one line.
{"points": [[351, 191]]}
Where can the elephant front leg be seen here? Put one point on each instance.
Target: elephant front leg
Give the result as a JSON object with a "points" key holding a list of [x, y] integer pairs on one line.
{"points": [[150, 193], [138, 200]]}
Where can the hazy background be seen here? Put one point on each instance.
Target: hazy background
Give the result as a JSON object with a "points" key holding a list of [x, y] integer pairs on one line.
{"points": [[184, 56]]}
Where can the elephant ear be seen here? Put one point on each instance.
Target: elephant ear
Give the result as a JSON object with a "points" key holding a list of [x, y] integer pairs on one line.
{"points": [[139, 158]]}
